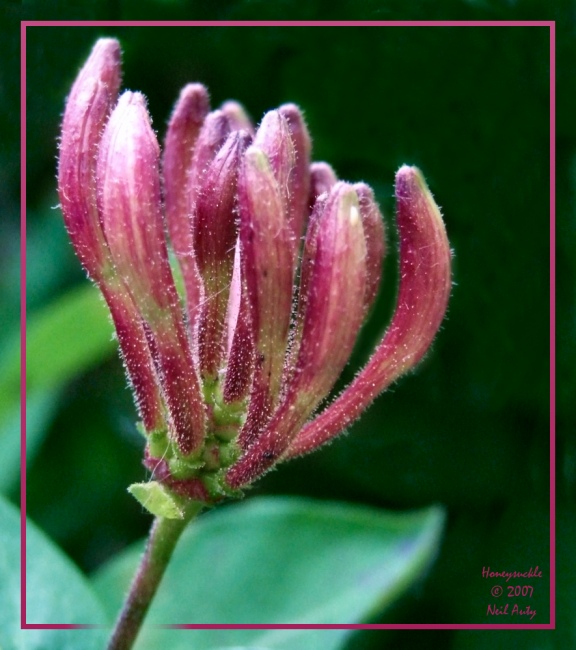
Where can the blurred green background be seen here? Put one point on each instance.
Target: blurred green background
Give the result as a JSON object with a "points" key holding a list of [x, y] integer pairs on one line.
{"points": [[470, 427]]}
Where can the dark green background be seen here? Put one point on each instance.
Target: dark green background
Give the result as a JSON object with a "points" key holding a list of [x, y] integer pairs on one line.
{"points": [[470, 428]]}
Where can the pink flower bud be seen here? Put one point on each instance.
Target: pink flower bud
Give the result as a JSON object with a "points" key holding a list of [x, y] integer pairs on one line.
{"points": [[273, 138], [267, 252], [322, 179], [129, 196], [306, 265], [88, 107], [212, 136], [89, 104], [240, 362], [334, 313], [299, 181], [425, 282], [337, 279], [181, 137], [215, 235], [373, 224], [129, 184], [237, 117]]}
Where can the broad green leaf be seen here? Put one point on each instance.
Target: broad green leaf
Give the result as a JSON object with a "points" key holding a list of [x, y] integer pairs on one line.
{"points": [[62, 339], [40, 408], [56, 593], [280, 560], [65, 338]]}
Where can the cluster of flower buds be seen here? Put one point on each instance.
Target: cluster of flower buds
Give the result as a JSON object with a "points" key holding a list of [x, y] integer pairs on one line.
{"points": [[234, 336]]}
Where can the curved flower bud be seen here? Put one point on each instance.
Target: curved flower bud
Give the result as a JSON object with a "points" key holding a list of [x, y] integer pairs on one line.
{"points": [[180, 143], [334, 313], [425, 282], [267, 258], [88, 107], [129, 196]]}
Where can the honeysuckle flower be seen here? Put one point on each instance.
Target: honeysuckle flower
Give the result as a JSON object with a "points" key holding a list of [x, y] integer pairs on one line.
{"points": [[234, 346], [88, 107]]}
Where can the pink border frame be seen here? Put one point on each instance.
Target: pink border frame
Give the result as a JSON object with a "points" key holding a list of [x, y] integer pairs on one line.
{"points": [[289, 23]]}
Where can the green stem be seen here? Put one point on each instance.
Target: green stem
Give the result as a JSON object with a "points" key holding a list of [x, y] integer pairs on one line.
{"points": [[164, 535]]}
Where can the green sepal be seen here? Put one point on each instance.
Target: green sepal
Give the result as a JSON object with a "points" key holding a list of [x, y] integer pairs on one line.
{"points": [[158, 443], [158, 500], [216, 486], [224, 414], [182, 469], [229, 453], [142, 430]]}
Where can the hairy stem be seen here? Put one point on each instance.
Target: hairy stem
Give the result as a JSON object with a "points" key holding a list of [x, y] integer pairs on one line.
{"points": [[164, 535]]}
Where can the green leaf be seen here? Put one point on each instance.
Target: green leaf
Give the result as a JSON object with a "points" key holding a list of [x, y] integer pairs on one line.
{"points": [[64, 339], [281, 560], [39, 410], [67, 337], [56, 592]]}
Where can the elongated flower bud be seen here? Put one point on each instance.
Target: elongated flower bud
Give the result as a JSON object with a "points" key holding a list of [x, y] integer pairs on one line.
{"points": [[129, 193], [373, 225], [306, 266], [212, 136], [322, 179], [129, 183], [87, 110], [299, 181], [267, 250], [237, 117], [334, 313], [181, 137], [425, 282], [240, 351], [215, 235], [273, 138]]}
